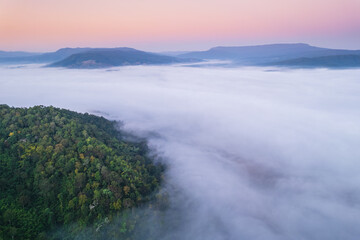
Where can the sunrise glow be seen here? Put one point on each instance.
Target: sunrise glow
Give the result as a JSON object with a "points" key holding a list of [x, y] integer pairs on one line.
{"points": [[174, 25]]}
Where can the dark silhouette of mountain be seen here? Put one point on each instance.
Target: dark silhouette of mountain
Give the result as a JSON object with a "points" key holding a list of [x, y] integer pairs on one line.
{"points": [[44, 57], [262, 54], [335, 61], [111, 57]]}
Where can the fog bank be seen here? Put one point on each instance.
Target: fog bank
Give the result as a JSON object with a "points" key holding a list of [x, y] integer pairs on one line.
{"points": [[253, 153]]}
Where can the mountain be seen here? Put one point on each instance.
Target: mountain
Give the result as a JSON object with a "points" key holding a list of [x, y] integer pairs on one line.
{"points": [[263, 54], [6, 54], [336, 61], [298, 54], [44, 57], [173, 53], [111, 57], [60, 54], [60, 168]]}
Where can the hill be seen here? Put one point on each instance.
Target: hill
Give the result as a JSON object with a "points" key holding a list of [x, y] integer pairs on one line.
{"points": [[16, 54], [100, 58], [259, 55], [42, 58], [263, 54], [61, 167], [337, 61]]}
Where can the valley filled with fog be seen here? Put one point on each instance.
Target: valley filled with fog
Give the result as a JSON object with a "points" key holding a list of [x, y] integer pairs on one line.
{"points": [[252, 153]]}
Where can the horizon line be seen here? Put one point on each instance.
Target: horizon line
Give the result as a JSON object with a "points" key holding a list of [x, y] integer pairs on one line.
{"points": [[181, 50]]}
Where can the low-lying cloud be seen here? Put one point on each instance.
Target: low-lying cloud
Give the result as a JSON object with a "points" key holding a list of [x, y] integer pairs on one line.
{"points": [[252, 154]]}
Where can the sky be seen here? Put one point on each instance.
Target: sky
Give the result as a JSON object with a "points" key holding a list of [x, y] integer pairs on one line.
{"points": [[163, 25]]}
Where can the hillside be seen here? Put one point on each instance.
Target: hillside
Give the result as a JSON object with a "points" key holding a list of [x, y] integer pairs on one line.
{"points": [[259, 55], [100, 58], [262, 54], [338, 61], [61, 167], [16, 54], [41, 58]]}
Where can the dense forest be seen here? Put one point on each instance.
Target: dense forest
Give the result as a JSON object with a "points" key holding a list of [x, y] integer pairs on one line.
{"points": [[59, 168]]}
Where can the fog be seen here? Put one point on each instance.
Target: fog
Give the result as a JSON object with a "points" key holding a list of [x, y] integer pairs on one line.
{"points": [[252, 153]]}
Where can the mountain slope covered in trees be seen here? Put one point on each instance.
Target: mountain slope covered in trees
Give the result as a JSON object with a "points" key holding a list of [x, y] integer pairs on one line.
{"points": [[61, 167]]}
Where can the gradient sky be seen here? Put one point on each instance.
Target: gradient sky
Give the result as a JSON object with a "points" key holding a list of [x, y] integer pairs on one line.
{"points": [[157, 25]]}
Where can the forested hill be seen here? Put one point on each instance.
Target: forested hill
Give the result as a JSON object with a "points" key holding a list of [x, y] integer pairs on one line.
{"points": [[59, 167]]}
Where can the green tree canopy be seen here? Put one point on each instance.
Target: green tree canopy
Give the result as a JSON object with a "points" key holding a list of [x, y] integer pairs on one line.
{"points": [[59, 167]]}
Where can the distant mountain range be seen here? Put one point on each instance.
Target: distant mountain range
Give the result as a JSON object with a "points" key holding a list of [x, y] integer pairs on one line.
{"points": [[16, 54], [286, 55], [335, 61], [100, 58], [272, 54], [91, 58], [42, 57]]}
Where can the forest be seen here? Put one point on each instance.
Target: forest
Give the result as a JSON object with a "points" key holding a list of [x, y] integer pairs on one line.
{"points": [[62, 168]]}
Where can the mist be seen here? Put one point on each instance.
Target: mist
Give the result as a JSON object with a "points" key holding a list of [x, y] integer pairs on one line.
{"points": [[252, 153]]}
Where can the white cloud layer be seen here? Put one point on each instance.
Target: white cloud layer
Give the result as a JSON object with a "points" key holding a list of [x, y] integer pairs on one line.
{"points": [[256, 154]]}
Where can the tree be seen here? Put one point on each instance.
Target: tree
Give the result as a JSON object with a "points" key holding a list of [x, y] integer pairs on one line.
{"points": [[61, 167]]}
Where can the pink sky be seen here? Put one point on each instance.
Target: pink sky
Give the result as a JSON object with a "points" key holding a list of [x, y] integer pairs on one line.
{"points": [[43, 25]]}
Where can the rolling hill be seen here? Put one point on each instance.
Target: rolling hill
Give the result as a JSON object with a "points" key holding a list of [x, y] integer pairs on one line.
{"points": [[101, 58], [16, 54], [265, 54], [292, 55], [42, 58], [335, 61]]}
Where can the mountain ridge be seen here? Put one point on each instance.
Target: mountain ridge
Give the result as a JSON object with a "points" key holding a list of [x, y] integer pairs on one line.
{"points": [[265, 54], [43, 57], [334, 61], [101, 58], [278, 54]]}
